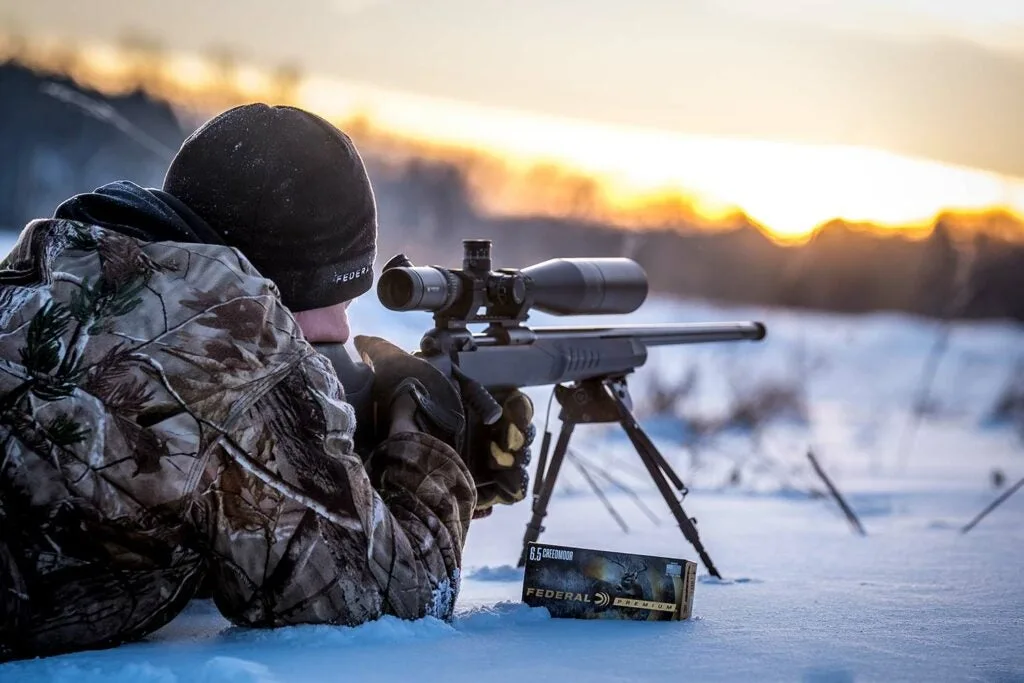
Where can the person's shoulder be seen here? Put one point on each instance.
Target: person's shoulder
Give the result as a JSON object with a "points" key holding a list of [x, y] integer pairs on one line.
{"points": [[198, 320], [217, 270], [210, 268], [217, 293], [201, 291]]}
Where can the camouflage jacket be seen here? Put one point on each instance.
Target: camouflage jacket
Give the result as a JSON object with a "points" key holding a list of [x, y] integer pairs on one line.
{"points": [[162, 419]]}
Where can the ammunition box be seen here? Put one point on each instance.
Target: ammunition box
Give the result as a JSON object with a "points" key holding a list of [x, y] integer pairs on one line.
{"points": [[581, 583]]}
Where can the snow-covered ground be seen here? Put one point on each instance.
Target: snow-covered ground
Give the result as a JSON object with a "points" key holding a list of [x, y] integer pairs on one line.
{"points": [[803, 597]]}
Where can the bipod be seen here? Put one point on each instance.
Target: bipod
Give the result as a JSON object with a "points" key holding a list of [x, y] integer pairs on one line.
{"points": [[595, 401]]}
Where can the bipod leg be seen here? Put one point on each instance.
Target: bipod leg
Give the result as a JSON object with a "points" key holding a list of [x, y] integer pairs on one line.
{"points": [[543, 496], [538, 478], [657, 457], [653, 461]]}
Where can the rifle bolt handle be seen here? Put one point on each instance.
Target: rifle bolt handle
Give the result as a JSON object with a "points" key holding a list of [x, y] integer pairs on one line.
{"points": [[479, 399]]}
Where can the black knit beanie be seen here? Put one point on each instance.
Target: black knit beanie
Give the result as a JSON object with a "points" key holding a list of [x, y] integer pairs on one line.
{"points": [[290, 191]]}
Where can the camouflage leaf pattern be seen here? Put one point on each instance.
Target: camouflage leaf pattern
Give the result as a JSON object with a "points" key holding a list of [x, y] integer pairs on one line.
{"points": [[164, 423]]}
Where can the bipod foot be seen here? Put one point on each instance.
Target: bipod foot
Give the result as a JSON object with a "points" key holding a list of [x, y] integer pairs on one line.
{"points": [[661, 472]]}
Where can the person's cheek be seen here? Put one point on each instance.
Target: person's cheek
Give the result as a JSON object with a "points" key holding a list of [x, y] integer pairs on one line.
{"points": [[342, 325]]}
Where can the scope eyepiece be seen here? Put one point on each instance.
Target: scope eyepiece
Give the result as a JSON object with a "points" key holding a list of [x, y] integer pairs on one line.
{"points": [[418, 288]]}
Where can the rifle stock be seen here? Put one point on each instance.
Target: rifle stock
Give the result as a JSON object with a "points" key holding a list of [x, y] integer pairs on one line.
{"points": [[548, 355], [555, 355]]}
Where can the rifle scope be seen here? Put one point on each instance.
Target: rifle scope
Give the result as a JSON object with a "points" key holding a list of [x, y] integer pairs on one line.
{"points": [[560, 286]]}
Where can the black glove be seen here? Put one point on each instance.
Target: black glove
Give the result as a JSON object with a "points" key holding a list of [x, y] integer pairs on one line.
{"points": [[398, 373], [498, 454]]}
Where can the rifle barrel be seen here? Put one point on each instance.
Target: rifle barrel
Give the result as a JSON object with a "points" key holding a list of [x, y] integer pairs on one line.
{"points": [[648, 335]]}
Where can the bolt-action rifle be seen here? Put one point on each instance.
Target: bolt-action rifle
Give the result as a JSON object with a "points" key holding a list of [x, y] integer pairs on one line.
{"points": [[587, 364]]}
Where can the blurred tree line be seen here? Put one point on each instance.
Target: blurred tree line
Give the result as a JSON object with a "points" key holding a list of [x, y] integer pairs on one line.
{"points": [[58, 139]]}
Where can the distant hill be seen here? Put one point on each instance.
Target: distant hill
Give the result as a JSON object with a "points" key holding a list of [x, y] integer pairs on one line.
{"points": [[52, 148]]}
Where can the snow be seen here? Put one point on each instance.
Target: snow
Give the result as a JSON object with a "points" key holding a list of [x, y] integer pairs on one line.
{"points": [[505, 572], [802, 598]]}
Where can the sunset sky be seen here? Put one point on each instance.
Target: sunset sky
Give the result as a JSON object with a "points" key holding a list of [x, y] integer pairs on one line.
{"points": [[792, 110]]}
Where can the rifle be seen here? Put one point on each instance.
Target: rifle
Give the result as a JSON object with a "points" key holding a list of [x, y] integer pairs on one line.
{"points": [[587, 364]]}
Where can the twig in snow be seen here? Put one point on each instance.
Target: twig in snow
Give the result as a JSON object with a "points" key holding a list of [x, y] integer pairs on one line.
{"points": [[835, 494], [597, 489], [617, 483], [963, 294], [993, 505]]}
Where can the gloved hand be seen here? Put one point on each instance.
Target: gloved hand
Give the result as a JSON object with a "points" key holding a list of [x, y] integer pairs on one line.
{"points": [[499, 454], [435, 407]]}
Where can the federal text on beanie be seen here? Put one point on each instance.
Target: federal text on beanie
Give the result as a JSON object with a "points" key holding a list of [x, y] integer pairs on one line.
{"points": [[291, 192]]}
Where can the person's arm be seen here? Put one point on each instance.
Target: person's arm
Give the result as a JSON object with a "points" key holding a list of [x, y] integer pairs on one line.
{"points": [[301, 534]]}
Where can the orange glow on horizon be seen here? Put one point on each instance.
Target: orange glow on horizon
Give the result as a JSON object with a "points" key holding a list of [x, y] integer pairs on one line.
{"points": [[634, 176]]}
